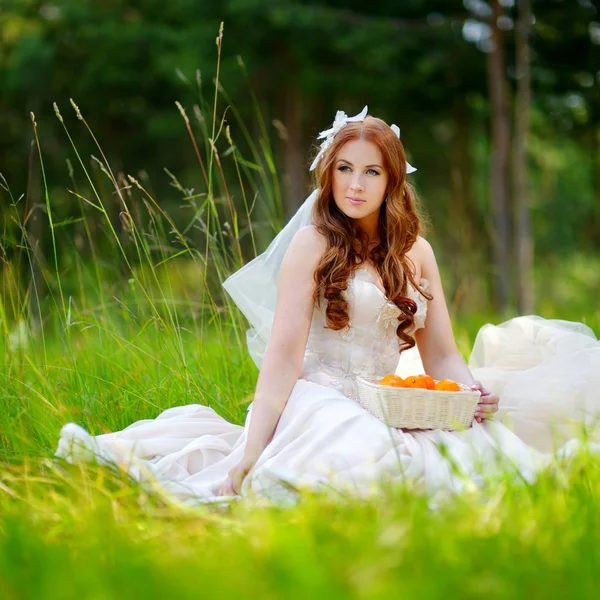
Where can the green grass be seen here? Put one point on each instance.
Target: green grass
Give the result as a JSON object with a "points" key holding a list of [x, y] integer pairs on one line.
{"points": [[116, 325], [90, 532]]}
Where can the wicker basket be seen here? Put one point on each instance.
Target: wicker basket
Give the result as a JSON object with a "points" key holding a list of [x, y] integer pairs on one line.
{"points": [[416, 408]]}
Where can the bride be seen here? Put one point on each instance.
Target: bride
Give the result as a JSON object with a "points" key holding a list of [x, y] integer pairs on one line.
{"points": [[346, 289]]}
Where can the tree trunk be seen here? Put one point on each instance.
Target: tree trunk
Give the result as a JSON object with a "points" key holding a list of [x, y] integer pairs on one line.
{"points": [[523, 238], [463, 219], [499, 163]]}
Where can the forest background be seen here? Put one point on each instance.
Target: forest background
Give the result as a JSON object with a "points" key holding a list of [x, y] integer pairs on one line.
{"points": [[121, 212], [498, 108]]}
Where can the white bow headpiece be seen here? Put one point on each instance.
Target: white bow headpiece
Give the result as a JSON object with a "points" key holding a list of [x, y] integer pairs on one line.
{"points": [[340, 121]]}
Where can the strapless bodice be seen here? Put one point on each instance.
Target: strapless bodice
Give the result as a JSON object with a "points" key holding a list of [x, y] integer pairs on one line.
{"points": [[369, 346]]}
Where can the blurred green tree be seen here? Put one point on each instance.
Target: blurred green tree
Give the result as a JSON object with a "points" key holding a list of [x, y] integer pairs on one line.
{"points": [[420, 64]]}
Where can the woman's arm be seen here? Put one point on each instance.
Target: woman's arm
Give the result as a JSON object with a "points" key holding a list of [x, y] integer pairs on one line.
{"points": [[282, 363], [437, 347], [435, 341]]}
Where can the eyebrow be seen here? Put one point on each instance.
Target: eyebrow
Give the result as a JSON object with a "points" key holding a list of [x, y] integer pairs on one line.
{"points": [[349, 163]]}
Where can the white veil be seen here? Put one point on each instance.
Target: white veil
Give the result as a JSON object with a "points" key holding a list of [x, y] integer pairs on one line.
{"points": [[254, 287]]}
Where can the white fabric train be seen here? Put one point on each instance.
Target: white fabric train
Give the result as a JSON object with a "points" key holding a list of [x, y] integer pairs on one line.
{"points": [[546, 372]]}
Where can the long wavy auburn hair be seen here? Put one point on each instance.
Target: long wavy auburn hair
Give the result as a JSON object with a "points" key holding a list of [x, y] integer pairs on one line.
{"points": [[400, 223]]}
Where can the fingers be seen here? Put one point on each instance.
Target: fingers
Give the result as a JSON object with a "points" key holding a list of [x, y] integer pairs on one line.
{"points": [[488, 398], [476, 385], [228, 487], [491, 399], [485, 411], [232, 486], [237, 479], [225, 489], [485, 398], [482, 416], [488, 403], [485, 395]]}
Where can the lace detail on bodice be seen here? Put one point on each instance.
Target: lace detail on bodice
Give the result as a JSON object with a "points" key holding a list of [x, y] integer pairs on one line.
{"points": [[369, 346]]}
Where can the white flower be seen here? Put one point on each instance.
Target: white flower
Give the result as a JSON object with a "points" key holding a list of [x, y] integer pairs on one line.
{"points": [[340, 121], [388, 315]]}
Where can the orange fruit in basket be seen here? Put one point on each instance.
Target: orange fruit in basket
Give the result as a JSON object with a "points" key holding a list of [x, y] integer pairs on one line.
{"points": [[393, 380], [428, 381], [447, 385], [424, 382], [415, 381]]}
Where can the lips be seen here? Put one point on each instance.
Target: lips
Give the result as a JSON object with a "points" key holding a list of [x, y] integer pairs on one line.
{"points": [[355, 200]]}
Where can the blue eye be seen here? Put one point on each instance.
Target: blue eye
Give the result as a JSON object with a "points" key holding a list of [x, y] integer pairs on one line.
{"points": [[343, 167]]}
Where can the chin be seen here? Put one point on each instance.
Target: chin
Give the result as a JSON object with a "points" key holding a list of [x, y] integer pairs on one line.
{"points": [[354, 214], [351, 209]]}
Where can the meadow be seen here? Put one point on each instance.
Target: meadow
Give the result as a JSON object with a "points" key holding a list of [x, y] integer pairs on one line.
{"points": [[131, 321], [91, 532]]}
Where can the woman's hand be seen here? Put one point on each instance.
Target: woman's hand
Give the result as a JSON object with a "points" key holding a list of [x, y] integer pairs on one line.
{"points": [[233, 484], [488, 403]]}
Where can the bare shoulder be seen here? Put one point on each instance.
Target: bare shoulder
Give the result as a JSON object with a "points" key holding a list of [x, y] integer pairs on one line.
{"points": [[305, 251], [309, 244], [422, 248], [421, 255], [309, 236]]}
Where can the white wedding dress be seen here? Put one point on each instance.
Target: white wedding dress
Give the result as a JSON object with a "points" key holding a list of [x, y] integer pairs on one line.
{"points": [[546, 372]]}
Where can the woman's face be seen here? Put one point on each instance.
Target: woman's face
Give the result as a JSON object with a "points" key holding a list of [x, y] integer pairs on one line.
{"points": [[360, 182]]}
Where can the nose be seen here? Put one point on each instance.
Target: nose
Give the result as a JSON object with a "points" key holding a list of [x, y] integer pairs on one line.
{"points": [[356, 184]]}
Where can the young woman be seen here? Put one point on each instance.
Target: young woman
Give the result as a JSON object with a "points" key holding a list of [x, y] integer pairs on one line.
{"points": [[346, 288]]}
